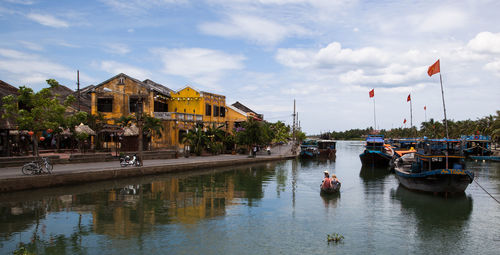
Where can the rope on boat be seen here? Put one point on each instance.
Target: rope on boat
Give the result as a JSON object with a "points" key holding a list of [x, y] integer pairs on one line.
{"points": [[486, 191]]}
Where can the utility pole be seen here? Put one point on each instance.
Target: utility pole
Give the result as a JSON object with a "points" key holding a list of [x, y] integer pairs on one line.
{"points": [[293, 130], [140, 124], [78, 87]]}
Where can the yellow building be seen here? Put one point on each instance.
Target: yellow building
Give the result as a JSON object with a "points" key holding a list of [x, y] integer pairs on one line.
{"points": [[179, 110]]}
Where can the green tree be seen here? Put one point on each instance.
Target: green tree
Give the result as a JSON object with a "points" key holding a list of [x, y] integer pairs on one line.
{"points": [[196, 139], [253, 132], [35, 111], [152, 127]]}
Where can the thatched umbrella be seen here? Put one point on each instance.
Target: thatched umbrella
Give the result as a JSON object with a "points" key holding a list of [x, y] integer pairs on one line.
{"points": [[131, 130], [84, 129]]}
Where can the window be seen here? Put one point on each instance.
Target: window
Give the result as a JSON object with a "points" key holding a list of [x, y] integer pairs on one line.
{"points": [[216, 111], [208, 110], [121, 81], [105, 105], [161, 107], [223, 111], [132, 104]]}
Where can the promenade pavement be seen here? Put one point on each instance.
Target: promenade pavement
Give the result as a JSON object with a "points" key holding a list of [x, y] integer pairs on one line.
{"points": [[276, 153]]}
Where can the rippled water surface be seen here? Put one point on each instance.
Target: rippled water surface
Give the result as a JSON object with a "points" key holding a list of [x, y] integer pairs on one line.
{"points": [[270, 208]]}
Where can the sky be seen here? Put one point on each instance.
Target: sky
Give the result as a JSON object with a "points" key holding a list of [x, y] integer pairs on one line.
{"points": [[325, 54]]}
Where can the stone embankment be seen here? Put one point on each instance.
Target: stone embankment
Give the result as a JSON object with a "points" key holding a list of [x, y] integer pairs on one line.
{"points": [[11, 178]]}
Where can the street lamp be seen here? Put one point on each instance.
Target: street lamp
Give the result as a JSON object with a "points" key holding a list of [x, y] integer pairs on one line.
{"points": [[138, 115]]}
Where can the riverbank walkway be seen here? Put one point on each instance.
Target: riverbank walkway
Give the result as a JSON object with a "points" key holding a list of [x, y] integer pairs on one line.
{"points": [[12, 179]]}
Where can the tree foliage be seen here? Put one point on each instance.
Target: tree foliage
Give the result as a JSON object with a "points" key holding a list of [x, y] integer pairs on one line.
{"points": [[36, 111]]}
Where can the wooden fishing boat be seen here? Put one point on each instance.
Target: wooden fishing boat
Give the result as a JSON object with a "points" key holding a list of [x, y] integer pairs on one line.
{"points": [[309, 149], [332, 190], [438, 166], [376, 153], [476, 145], [327, 149]]}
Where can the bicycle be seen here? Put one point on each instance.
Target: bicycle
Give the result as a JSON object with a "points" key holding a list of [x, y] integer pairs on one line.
{"points": [[40, 166]]}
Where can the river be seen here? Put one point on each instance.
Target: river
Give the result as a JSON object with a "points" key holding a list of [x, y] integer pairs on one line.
{"points": [[269, 208]]}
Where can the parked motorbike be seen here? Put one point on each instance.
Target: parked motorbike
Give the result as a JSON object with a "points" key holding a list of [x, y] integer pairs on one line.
{"points": [[129, 161]]}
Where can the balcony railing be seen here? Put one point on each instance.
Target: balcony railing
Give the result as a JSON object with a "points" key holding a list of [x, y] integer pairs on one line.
{"points": [[178, 116]]}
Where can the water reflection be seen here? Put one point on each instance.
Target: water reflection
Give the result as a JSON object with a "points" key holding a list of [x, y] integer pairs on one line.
{"points": [[123, 209], [370, 174], [330, 200], [436, 217]]}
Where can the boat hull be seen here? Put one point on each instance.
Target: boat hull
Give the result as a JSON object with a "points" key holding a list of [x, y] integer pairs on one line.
{"points": [[332, 190], [437, 181], [374, 158]]}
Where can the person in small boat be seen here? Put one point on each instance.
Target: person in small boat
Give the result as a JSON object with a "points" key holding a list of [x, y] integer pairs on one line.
{"points": [[327, 182], [335, 181]]}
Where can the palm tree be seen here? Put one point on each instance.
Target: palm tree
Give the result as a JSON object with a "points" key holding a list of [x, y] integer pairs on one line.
{"points": [[152, 128], [125, 121], [195, 138]]}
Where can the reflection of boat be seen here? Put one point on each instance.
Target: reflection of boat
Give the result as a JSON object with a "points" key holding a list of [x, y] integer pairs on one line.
{"points": [[476, 145], [330, 199], [437, 166], [434, 211], [376, 152], [369, 174], [309, 149], [327, 149]]}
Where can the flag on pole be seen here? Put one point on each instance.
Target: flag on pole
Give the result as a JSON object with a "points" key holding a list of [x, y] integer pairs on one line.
{"points": [[409, 98], [434, 69], [372, 93], [404, 121], [425, 108]]}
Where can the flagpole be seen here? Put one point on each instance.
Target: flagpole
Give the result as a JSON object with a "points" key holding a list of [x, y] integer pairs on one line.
{"points": [[411, 114], [425, 112], [444, 106], [374, 115]]}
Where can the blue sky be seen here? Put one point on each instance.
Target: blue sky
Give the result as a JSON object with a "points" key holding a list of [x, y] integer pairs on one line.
{"points": [[326, 54]]}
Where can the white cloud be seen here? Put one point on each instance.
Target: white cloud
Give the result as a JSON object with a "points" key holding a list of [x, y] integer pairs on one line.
{"points": [[255, 29], [47, 20], [331, 56], [117, 48], [441, 20], [23, 2], [114, 68], [485, 42], [493, 67], [139, 7], [31, 46], [334, 54], [204, 66], [31, 68]]}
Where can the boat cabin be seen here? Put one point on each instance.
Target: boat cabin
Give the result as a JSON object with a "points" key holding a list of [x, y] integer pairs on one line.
{"points": [[476, 145], [375, 143], [437, 154]]}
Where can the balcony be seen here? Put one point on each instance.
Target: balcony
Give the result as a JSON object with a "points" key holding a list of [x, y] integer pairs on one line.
{"points": [[178, 116]]}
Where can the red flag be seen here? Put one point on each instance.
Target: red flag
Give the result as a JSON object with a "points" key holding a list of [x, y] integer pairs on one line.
{"points": [[372, 93], [434, 69], [409, 98], [404, 121], [425, 108]]}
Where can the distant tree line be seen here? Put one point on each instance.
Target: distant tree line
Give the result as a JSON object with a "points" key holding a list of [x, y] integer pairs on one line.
{"points": [[489, 125]]}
